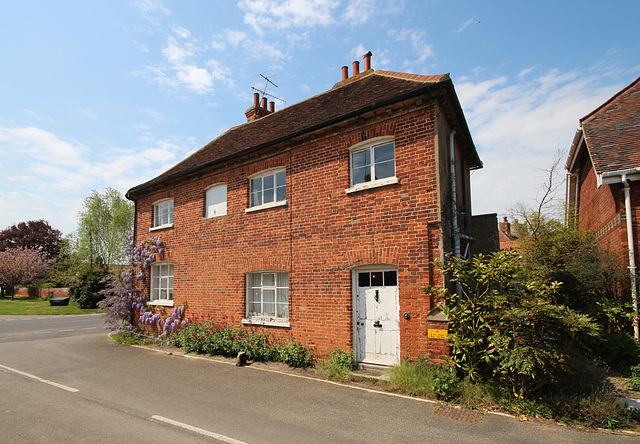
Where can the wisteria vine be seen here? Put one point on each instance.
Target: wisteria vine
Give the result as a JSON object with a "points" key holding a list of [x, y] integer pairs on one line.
{"points": [[124, 299]]}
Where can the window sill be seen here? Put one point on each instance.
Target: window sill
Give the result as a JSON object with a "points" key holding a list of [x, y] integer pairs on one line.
{"points": [[374, 184], [268, 322], [164, 303], [217, 216], [161, 227], [281, 203]]}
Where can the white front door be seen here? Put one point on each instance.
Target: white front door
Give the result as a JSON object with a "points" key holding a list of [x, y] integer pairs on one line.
{"points": [[377, 329]]}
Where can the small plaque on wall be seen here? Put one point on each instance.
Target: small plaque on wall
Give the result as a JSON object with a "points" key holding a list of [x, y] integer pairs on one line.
{"points": [[437, 334]]}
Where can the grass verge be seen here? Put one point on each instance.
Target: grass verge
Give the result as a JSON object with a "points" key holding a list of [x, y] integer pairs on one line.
{"points": [[24, 305]]}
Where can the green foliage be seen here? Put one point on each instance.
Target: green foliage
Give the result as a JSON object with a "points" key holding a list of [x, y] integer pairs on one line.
{"points": [[340, 363], [634, 380], [87, 291], [103, 225], [293, 353], [594, 281], [504, 325], [421, 378], [220, 338]]}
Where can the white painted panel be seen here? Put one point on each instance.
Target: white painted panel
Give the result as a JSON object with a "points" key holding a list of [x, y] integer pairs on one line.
{"points": [[377, 329]]}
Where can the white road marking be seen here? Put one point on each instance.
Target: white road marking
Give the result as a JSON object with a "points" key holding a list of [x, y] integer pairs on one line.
{"points": [[197, 430], [69, 330], [46, 381], [89, 328]]}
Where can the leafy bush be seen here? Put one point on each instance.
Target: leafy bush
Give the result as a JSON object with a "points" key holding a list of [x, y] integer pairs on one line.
{"points": [[87, 291], [503, 324], [424, 379], [634, 380], [294, 354], [219, 338], [340, 363]]}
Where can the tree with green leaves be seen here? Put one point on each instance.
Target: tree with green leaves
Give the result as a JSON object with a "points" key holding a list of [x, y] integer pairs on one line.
{"points": [[504, 324], [103, 224]]}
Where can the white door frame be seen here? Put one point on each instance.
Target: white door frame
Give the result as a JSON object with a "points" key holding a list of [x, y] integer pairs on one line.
{"points": [[354, 278]]}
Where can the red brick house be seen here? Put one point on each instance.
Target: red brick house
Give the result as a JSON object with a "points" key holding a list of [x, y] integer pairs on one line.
{"points": [[603, 184], [321, 220]]}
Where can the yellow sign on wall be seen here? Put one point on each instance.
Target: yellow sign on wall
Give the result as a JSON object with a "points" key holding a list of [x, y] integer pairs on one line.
{"points": [[437, 334]]}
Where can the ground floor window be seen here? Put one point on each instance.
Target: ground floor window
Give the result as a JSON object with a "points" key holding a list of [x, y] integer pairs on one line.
{"points": [[268, 296], [162, 282]]}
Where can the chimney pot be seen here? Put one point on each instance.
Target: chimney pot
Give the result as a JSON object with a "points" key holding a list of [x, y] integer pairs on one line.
{"points": [[272, 107], [256, 99], [345, 72], [367, 61], [264, 103], [356, 68]]}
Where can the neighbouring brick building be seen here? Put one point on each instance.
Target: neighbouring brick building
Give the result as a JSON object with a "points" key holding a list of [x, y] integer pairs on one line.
{"points": [[603, 182], [322, 220]]}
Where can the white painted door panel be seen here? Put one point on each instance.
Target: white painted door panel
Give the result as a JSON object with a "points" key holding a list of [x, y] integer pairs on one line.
{"points": [[377, 329]]}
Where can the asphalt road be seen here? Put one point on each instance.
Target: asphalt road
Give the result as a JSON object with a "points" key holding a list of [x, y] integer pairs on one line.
{"points": [[63, 381]]}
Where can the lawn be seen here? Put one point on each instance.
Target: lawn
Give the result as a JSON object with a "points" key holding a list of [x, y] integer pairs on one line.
{"points": [[24, 305]]}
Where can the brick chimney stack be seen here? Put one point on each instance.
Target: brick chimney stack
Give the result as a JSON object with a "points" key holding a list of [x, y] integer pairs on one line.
{"points": [[259, 108], [367, 61], [505, 226]]}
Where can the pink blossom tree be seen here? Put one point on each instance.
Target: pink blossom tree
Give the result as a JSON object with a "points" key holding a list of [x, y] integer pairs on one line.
{"points": [[21, 266]]}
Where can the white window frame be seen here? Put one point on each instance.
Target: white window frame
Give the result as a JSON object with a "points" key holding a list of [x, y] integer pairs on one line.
{"points": [[214, 206], [266, 276], [273, 172], [370, 146], [161, 284], [158, 222]]}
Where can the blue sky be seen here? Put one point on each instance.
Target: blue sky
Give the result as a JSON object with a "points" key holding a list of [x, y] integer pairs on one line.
{"points": [[97, 94]]}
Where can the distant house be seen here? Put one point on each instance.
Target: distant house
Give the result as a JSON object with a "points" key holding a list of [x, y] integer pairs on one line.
{"points": [[322, 220], [603, 186], [508, 240]]}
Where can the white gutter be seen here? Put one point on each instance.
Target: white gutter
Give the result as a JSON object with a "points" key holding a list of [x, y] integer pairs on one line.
{"points": [[454, 196], [632, 252]]}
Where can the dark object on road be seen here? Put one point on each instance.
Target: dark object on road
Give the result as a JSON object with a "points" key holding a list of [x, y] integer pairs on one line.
{"points": [[61, 300], [242, 359]]}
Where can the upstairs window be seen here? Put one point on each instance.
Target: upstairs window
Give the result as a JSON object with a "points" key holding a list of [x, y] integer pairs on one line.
{"points": [[163, 214], [216, 200], [373, 163], [268, 189]]}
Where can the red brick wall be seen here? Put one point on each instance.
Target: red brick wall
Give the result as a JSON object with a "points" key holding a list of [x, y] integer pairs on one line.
{"points": [[602, 210], [41, 292], [319, 237]]}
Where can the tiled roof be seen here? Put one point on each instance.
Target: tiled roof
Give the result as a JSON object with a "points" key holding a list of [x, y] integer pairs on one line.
{"points": [[612, 131], [354, 95]]}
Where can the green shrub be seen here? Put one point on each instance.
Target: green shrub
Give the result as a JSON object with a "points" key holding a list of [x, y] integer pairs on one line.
{"points": [[420, 378], [634, 380], [87, 291], [340, 363], [217, 338], [294, 354]]}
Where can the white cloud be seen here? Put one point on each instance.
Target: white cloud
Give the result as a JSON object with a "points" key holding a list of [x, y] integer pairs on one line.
{"points": [[359, 11], [235, 37], [149, 9], [418, 41], [524, 124], [42, 145], [465, 25], [268, 15], [185, 68]]}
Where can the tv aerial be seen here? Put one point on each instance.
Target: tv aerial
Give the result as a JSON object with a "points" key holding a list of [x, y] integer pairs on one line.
{"points": [[267, 82]]}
